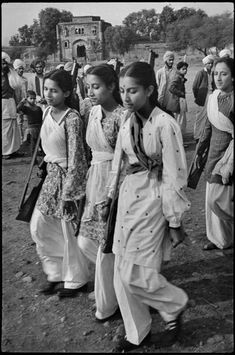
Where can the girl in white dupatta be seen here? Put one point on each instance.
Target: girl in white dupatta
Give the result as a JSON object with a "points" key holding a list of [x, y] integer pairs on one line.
{"points": [[219, 166], [54, 218], [101, 135]]}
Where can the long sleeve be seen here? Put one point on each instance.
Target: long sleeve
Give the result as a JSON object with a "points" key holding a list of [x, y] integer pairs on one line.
{"points": [[196, 84], [174, 87], [174, 176], [75, 182]]}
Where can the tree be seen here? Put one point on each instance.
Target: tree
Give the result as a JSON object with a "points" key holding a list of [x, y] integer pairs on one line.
{"points": [[43, 31], [48, 19], [143, 23], [167, 16], [201, 32], [119, 38]]}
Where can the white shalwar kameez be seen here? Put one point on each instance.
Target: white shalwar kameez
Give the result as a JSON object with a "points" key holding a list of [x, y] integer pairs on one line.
{"points": [[53, 232], [146, 204], [101, 137]]}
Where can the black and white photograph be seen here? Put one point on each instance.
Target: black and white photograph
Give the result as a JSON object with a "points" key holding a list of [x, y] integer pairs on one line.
{"points": [[117, 177]]}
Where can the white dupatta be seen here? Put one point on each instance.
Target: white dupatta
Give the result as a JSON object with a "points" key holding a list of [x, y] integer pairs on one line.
{"points": [[224, 166]]}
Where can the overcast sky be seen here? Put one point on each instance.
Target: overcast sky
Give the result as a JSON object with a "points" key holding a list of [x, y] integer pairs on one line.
{"points": [[15, 15]]}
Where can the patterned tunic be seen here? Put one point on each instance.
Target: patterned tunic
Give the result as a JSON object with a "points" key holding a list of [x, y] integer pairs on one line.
{"points": [[62, 143], [146, 202], [101, 136]]}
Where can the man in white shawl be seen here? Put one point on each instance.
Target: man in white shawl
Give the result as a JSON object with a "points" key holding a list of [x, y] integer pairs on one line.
{"points": [[163, 78], [20, 91], [10, 130]]}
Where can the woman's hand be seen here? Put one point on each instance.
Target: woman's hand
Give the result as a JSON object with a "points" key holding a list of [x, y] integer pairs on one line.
{"points": [[177, 236], [106, 209]]}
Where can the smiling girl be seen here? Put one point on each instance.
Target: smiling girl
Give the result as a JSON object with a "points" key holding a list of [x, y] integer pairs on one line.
{"points": [[54, 220], [101, 135], [151, 202]]}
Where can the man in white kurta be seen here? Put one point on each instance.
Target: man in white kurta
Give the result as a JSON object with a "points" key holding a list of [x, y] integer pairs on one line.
{"points": [[10, 130]]}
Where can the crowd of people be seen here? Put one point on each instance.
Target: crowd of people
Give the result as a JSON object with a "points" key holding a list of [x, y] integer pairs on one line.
{"points": [[132, 121]]}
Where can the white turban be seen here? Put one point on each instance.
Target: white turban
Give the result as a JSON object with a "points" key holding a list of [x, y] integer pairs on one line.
{"points": [[225, 52], [86, 67], [68, 66], [208, 59], [6, 57], [167, 55], [60, 66], [18, 63]]}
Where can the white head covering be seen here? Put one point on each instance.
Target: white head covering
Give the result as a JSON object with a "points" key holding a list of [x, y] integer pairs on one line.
{"points": [[168, 55], [68, 66], [6, 57], [18, 63], [60, 66], [208, 59], [86, 67], [225, 52]]}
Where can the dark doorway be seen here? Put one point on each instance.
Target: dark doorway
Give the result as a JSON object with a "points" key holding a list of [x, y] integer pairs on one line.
{"points": [[81, 51]]}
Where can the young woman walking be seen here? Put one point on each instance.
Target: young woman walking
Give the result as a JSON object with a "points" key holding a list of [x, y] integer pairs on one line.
{"points": [[102, 130], [54, 218], [151, 205]]}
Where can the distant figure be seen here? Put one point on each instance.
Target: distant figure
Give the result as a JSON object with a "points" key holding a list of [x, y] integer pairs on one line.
{"points": [[35, 82], [10, 130], [177, 88], [34, 117], [163, 77], [203, 85], [20, 93], [225, 53]]}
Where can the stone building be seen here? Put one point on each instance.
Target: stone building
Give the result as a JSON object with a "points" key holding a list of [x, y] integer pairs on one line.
{"points": [[82, 39]]}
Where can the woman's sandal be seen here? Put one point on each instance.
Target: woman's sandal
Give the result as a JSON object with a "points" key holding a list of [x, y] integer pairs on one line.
{"points": [[210, 246]]}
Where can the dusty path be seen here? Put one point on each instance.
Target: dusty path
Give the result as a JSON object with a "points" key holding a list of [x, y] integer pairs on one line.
{"points": [[35, 323]]}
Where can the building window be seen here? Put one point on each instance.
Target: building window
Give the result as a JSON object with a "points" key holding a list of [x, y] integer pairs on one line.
{"points": [[94, 30], [79, 31], [66, 44]]}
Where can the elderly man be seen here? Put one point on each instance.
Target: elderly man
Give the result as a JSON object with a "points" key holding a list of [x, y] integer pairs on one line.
{"points": [[35, 82], [10, 130], [203, 85], [20, 91], [164, 76]]}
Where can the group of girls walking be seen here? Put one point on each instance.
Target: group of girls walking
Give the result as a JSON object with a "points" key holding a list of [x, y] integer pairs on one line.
{"points": [[125, 123]]}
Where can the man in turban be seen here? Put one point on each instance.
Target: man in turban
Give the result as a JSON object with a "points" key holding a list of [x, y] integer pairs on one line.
{"points": [[35, 82], [10, 130], [225, 53], [20, 91], [164, 76], [203, 85]]}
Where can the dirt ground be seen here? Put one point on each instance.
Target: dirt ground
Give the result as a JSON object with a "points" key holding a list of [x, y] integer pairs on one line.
{"points": [[32, 322]]}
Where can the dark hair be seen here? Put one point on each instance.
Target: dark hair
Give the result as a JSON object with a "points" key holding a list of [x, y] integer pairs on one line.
{"points": [[108, 75], [144, 75], [63, 80], [229, 62], [181, 65], [30, 93]]}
